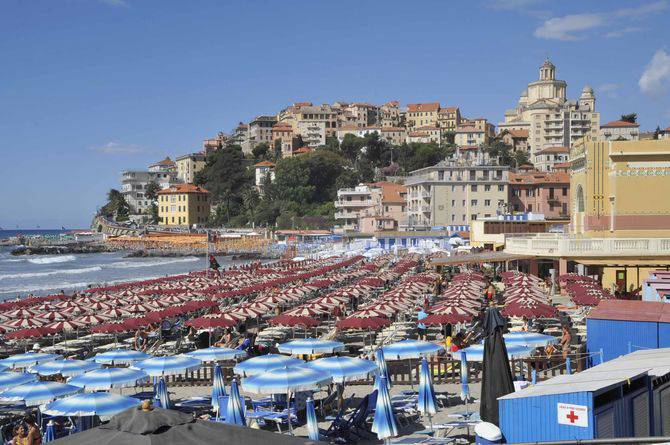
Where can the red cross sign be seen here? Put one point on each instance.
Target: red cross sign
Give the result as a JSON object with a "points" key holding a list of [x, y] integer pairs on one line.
{"points": [[573, 415]]}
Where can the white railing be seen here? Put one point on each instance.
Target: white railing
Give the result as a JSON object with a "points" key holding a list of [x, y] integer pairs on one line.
{"points": [[564, 246]]}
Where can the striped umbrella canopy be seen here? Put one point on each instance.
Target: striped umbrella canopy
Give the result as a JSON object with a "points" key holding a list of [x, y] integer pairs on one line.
{"points": [[286, 380], [475, 353], [293, 320], [28, 359], [532, 339], [363, 323], [120, 357], [21, 323], [101, 404], [211, 321], [115, 312], [235, 410], [52, 315], [162, 396], [168, 365], [384, 422], [427, 402], [108, 378], [64, 326], [264, 363], [343, 369], [218, 387], [66, 368], [90, 319], [312, 424], [216, 354], [30, 333], [409, 349], [71, 311], [11, 379], [38, 393], [311, 346], [22, 313], [98, 306]]}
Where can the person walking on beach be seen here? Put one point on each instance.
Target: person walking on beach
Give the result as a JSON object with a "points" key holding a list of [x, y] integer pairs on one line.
{"points": [[566, 339], [421, 314]]}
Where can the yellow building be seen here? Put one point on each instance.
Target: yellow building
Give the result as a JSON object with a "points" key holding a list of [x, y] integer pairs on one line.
{"points": [[422, 115], [620, 227], [190, 164], [183, 205]]}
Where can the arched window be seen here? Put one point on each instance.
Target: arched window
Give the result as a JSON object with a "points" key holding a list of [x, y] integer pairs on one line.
{"points": [[579, 199]]}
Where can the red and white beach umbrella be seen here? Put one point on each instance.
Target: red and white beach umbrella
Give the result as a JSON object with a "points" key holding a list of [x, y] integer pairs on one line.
{"points": [[52, 316], [116, 312], [90, 319], [21, 323], [65, 326]]}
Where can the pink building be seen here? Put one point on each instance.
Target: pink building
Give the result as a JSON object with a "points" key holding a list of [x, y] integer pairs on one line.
{"points": [[540, 192]]}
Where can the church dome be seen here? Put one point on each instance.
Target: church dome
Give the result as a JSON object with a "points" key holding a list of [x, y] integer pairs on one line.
{"points": [[547, 64], [587, 91]]}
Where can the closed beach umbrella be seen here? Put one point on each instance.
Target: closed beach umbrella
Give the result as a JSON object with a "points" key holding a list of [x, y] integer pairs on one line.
{"points": [[101, 404], [264, 363], [162, 395], [66, 368], [235, 410], [11, 379], [218, 387], [496, 372], [343, 369], [216, 354], [312, 424], [38, 393], [108, 378], [427, 402], [168, 365], [28, 359], [465, 387], [384, 423], [49, 432], [383, 368], [410, 349], [120, 357], [310, 346]]}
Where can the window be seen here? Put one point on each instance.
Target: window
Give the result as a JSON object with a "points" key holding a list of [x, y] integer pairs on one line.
{"points": [[501, 188], [487, 202], [453, 203], [473, 202], [551, 193], [564, 191], [487, 188], [473, 217], [463, 203], [530, 208], [173, 208], [473, 188]]}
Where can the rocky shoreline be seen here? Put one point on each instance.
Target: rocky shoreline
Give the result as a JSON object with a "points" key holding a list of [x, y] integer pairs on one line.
{"points": [[78, 248]]}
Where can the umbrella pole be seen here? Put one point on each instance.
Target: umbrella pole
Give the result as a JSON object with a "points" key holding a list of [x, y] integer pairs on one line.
{"points": [[288, 409]]}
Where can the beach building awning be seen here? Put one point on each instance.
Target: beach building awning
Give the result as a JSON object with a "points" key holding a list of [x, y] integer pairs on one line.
{"points": [[484, 257]]}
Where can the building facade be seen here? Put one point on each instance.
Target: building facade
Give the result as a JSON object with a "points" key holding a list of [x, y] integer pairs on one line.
{"points": [[134, 184], [541, 193], [620, 131], [455, 193], [470, 135], [183, 205], [547, 158], [188, 165], [370, 207], [262, 171], [422, 115], [260, 130], [549, 117]]}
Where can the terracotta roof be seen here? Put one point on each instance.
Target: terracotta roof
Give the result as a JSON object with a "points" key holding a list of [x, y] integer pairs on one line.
{"points": [[431, 106], [393, 103], [282, 126], [418, 134], [302, 104], [427, 128], [619, 124], [562, 164], [550, 150], [182, 188], [264, 164], [166, 161], [468, 129], [389, 129], [391, 192], [518, 133], [537, 177], [302, 150], [468, 147], [348, 127]]}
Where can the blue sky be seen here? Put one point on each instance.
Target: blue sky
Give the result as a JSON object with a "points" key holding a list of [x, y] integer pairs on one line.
{"points": [[90, 87]]}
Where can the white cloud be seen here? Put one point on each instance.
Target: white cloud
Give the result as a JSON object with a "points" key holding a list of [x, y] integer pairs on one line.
{"points": [[116, 148], [609, 89], [569, 27], [576, 26], [655, 79]]}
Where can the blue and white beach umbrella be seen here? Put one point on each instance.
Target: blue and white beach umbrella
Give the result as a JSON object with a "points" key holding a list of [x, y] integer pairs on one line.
{"points": [[28, 359], [531, 339], [344, 369], [168, 365], [11, 379], [475, 353], [38, 393], [311, 346], [120, 357], [427, 403], [216, 354], [235, 410], [108, 378], [264, 363], [218, 387], [101, 404], [384, 423], [66, 368], [383, 369], [49, 432], [410, 349], [312, 424], [286, 380], [465, 388], [162, 396]]}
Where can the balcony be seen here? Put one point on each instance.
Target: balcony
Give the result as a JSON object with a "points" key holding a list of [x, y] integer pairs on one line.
{"points": [[354, 203], [425, 209], [554, 245]]}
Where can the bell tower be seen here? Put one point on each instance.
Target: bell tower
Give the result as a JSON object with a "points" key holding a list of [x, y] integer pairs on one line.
{"points": [[547, 71]]}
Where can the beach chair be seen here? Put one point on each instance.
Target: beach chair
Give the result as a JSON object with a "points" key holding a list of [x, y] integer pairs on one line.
{"points": [[342, 429]]}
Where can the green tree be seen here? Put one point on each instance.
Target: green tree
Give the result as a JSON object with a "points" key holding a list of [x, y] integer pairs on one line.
{"points": [[151, 193], [631, 117], [261, 152], [116, 206], [277, 149]]}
